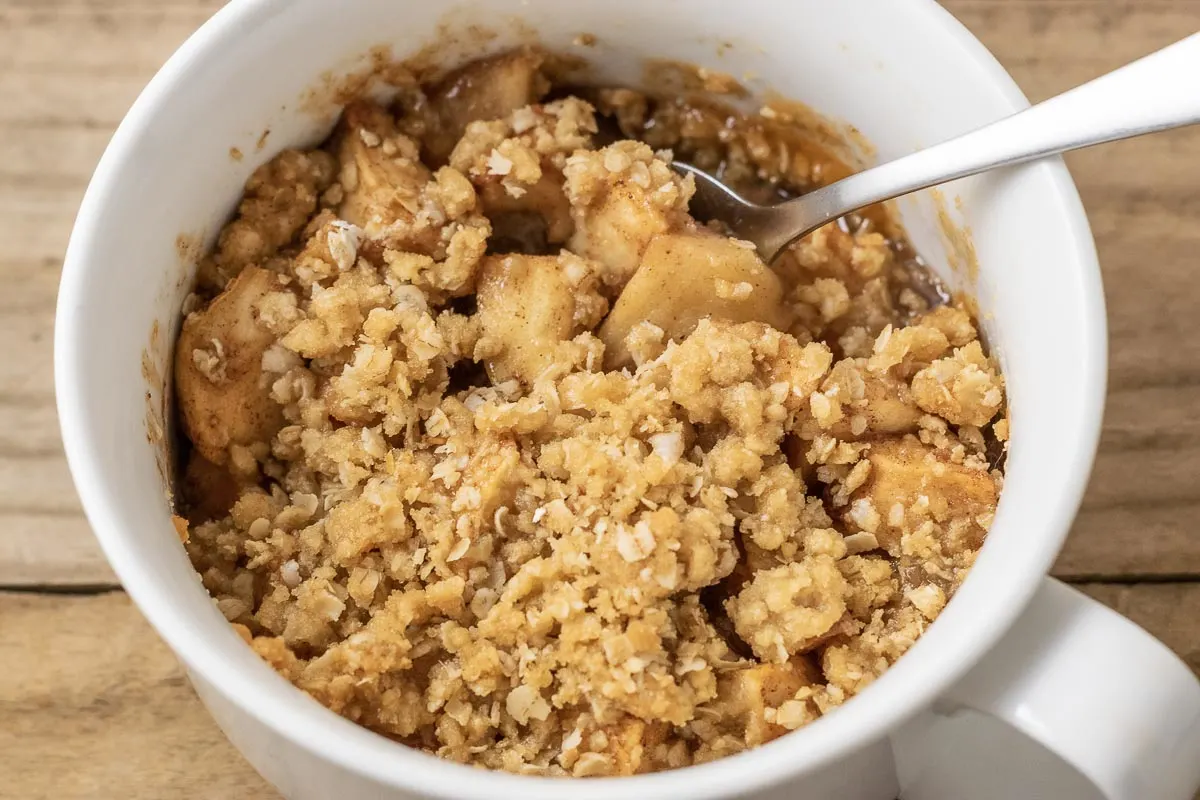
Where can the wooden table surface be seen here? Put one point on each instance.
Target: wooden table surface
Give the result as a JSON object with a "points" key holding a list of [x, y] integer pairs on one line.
{"points": [[93, 705]]}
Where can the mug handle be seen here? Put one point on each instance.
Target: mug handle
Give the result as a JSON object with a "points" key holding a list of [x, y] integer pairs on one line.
{"points": [[1096, 690]]}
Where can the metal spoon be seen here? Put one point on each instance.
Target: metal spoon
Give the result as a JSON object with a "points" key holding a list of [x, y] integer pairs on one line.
{"points": [[1157, 92]]}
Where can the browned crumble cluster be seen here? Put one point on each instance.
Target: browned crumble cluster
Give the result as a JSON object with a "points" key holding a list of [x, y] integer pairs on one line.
{"points": [[496, 451]]}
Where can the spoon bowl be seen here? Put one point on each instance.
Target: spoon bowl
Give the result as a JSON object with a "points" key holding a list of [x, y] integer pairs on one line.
{"points": [[1149, 95]]}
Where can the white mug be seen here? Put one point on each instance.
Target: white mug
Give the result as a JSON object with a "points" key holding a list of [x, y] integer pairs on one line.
{"points": [[1018, 667]]}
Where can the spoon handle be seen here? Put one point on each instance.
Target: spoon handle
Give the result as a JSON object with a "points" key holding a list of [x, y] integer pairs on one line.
{"points": [[1159, 91]]}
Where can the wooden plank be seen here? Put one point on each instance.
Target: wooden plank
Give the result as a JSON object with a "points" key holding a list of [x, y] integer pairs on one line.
{"points": [[70, 68], [92, 704]]}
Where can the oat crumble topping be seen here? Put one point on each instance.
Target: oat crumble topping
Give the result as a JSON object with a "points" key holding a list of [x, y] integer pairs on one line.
{"points": [[497, 451]]}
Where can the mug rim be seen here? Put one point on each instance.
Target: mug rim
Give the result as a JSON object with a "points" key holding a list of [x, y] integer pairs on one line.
{"points": [[291, 714]]}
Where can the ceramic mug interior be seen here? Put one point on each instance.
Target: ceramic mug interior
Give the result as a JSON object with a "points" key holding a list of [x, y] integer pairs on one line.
{"points": [[904, 74]]}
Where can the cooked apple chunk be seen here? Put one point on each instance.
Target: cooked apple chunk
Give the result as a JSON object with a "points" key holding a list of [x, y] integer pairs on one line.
{"points": [[686, 277], [482, 90], [621, 198], [223, 397], [911, 483], [529, 306]]}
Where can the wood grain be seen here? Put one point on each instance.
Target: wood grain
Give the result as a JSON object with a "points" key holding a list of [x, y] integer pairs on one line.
{"points": [[93, 705]]}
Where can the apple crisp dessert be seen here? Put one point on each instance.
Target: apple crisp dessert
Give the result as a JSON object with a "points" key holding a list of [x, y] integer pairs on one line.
{"points": [[494, 449]]}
